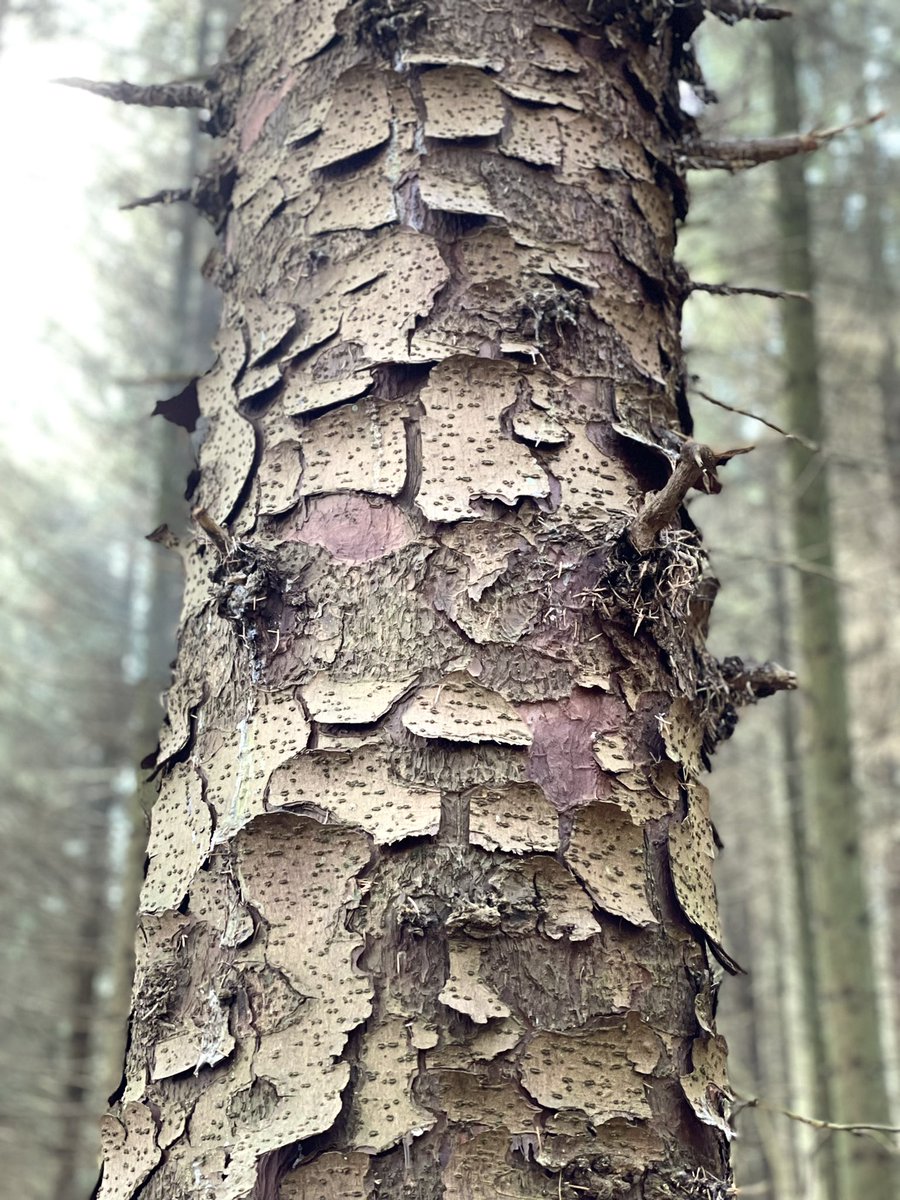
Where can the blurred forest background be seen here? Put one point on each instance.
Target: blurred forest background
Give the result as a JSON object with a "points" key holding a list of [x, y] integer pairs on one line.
{"points": [[89, 606]]}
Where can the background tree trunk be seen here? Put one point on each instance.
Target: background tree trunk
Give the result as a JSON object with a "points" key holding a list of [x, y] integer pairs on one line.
{"points": [[851, 1077], [429, 889]]}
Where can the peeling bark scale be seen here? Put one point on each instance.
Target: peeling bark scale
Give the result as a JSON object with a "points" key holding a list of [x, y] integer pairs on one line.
{"points": [[429, 899]]}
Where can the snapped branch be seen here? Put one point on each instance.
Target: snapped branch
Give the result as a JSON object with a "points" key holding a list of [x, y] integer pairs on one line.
{"points": [[150, 95], [220, 538], [740, 154], [696, 468], [749, 682]]}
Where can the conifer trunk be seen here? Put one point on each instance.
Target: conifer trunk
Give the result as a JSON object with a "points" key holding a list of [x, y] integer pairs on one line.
{"points": [[428, 902]]}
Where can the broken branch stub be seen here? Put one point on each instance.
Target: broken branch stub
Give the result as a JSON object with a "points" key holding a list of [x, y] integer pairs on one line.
{"points": [[148, 95], [696, 468]]}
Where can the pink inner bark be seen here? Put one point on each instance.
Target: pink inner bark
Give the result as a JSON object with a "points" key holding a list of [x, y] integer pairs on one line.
{"points": [[351, 527]]}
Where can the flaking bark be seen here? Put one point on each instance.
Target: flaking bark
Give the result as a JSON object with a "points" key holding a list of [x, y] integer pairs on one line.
{"points": [[429, 888]]}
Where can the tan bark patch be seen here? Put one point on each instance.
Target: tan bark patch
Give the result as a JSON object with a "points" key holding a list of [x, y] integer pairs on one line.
{"points": [[706, 1087], [539, 428], [568, 1135], [214, 899], [639, 332], [554, 53], [444, 193], [534, 136], [206, 654], [315, 28], [268, 324], [566, 910], [485, 1043], [360, 447], [374, 297], [382, 1110], [692, 853], [358, 789], [303, 394], [306, 939], [612, 752], [515, 817], [180, 839], [351, 701], [266, 201], [591, 1072], [470, 1100], [307, 1083], [463, 402], [227, 452], [461, 710], [637, 794], [480, 1165], [304, 913], [279, 477], [683, 735], [487, 547], [607, 852], [331, 1176], [257, 379], [465, 991], [237, 771], [358, 119], [365, 200], [198, 1046], [461, 103], [594, 487], [130, 1151], [531, 88]]}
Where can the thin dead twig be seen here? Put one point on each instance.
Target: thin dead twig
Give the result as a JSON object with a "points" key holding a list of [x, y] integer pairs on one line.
{"points": [[731, 289], [165, 196], [732, 11], [743, 412], [878, 1133]]}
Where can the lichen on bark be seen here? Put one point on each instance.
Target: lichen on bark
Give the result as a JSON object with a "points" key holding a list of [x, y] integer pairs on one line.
{"points": [[428, 902]]}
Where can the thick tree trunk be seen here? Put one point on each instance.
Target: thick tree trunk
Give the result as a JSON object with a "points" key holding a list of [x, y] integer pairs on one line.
{"points": [[429, 897], [851, 1078]]}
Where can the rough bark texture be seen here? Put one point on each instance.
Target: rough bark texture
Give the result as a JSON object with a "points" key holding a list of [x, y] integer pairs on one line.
{"points": [[851, 1079], [429, 896]]}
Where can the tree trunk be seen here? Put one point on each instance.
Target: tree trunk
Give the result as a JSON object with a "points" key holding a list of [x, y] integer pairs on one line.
{"points": [[429, 897], [852, 1076]]}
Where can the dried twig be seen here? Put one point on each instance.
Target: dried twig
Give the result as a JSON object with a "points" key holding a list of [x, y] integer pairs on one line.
{"points": [[732, 11], [859, 1128], [166, 196], [740, 154], [151, 380], [150, 95], [730, 289], [743, 412]]}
